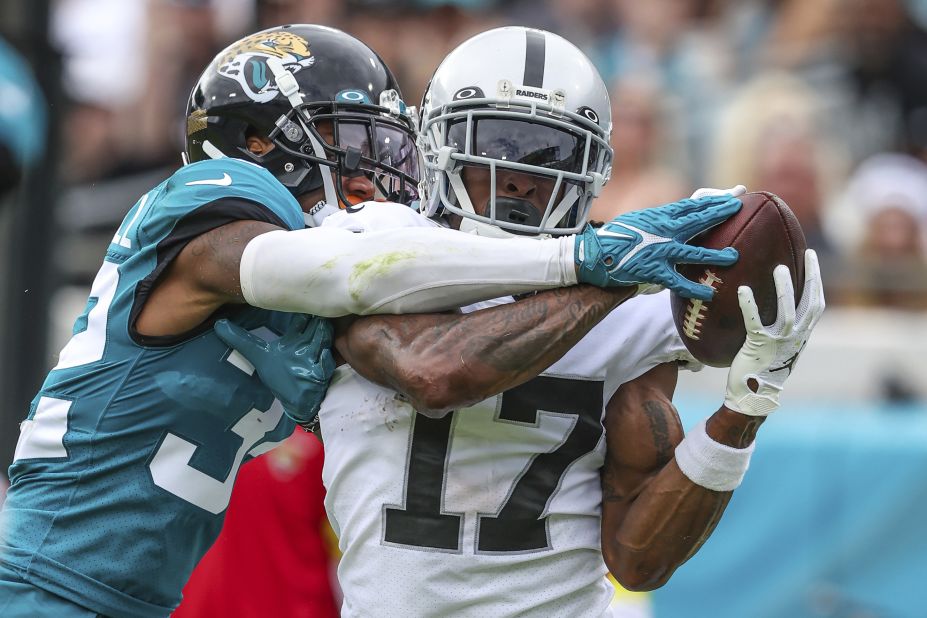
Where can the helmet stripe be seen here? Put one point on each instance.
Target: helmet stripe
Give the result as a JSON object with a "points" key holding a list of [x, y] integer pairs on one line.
{"points": [[534, 58]]}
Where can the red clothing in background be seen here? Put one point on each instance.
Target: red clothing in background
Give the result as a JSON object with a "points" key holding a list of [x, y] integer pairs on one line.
{"points": [[271, 557]]}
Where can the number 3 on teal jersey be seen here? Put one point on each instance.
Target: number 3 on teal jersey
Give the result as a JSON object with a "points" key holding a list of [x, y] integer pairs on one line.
{"points": [[42, 435], [171, 469]]}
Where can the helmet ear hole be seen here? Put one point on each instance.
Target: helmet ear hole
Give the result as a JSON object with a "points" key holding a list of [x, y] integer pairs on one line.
{"points": [[256, 142]]}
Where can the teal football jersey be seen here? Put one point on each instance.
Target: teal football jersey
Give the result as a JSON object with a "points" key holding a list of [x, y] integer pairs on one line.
{"points": [[125, 464]]}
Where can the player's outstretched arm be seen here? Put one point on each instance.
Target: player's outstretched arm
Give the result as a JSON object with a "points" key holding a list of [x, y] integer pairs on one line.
{"points": [[332, 272], [664, 494], [442, 362]]}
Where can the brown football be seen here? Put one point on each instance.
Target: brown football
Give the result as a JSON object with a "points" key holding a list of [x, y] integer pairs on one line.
{"points": [[766, 233]]}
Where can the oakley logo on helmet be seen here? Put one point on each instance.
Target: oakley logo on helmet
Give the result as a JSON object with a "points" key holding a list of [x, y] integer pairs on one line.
{"points": [[246, 62], [353, 96], [471, 92], [589, 114]]}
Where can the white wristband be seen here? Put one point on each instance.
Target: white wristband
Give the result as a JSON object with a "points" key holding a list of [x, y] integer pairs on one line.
{"points": [[711, 464]]}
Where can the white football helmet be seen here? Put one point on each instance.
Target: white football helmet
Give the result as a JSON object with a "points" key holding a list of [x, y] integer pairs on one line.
{"points": [[517, 99]]}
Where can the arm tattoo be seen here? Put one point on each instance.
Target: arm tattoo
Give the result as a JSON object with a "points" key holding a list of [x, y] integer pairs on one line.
{"points": [[659, 429], [482, 353], [516, 335], [610, 484]]}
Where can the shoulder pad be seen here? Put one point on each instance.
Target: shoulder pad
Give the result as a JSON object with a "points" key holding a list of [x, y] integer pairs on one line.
{"points": [[207, 181]]}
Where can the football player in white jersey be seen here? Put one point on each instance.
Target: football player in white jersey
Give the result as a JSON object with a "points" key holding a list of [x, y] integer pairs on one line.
{"points": [[498, 462]]}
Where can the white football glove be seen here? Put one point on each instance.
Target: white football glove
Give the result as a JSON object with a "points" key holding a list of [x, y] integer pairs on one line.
{"points": [[706, 191], [769, 353]]}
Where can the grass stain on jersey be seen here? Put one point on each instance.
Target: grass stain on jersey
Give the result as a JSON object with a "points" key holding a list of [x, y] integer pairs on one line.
{"points": [[366, 271]]}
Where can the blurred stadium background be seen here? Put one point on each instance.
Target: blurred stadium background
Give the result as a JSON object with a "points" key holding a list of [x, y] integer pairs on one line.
{"points": [[823, 102]]}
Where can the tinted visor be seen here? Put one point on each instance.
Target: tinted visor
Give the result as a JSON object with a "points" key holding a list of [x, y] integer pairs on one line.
{"points": [[520, 142], [379, 143], [377, 148]]}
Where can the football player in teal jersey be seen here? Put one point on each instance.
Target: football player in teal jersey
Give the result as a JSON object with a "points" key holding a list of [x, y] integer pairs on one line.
{"points": [[128, 454]]}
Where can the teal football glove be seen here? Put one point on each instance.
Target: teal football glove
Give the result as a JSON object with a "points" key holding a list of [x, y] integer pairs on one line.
{"points": [[296, 367], [643, 247]]}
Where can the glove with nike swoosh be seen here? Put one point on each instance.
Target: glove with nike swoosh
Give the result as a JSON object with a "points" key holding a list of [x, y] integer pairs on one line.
{"points": [[643, 247], [769, 353]]}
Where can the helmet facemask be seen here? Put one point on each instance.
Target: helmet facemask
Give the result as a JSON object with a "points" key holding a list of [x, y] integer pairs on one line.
{"points": [[351, 140]]}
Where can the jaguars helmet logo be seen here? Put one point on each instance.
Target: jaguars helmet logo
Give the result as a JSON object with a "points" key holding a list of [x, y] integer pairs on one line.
{"points": [[246, 62]]}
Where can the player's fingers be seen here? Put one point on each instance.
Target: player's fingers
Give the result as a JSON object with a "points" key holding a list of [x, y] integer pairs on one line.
{"points": [[248, 345], [748, 309], [736, 191], [811, 293], [690, 226], [689, 254], [814, 289], [296, 327], [708, 210], [688, 289], [785, 299], [321, 336]]}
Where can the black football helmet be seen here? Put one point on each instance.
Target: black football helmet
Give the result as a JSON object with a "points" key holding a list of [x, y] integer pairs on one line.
{"points": [[286, 83]]}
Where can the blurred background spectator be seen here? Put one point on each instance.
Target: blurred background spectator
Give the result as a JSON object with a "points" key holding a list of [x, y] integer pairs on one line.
{"points": [[22, 118], [645, 170], [885, 203], [823, 103], [768, 136]]}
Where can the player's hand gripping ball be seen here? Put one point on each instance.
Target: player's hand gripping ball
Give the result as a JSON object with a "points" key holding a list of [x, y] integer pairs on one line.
{"points": [[644, 246], [768, 357], [765, 233]]}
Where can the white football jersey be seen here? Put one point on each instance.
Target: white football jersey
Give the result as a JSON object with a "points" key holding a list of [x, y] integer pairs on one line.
{"points": [[493, 510]]}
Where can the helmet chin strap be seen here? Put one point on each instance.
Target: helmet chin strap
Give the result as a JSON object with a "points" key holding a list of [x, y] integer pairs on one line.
{"points": [[331, 196], [289, 88], [472, 226], [572, 195]]}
